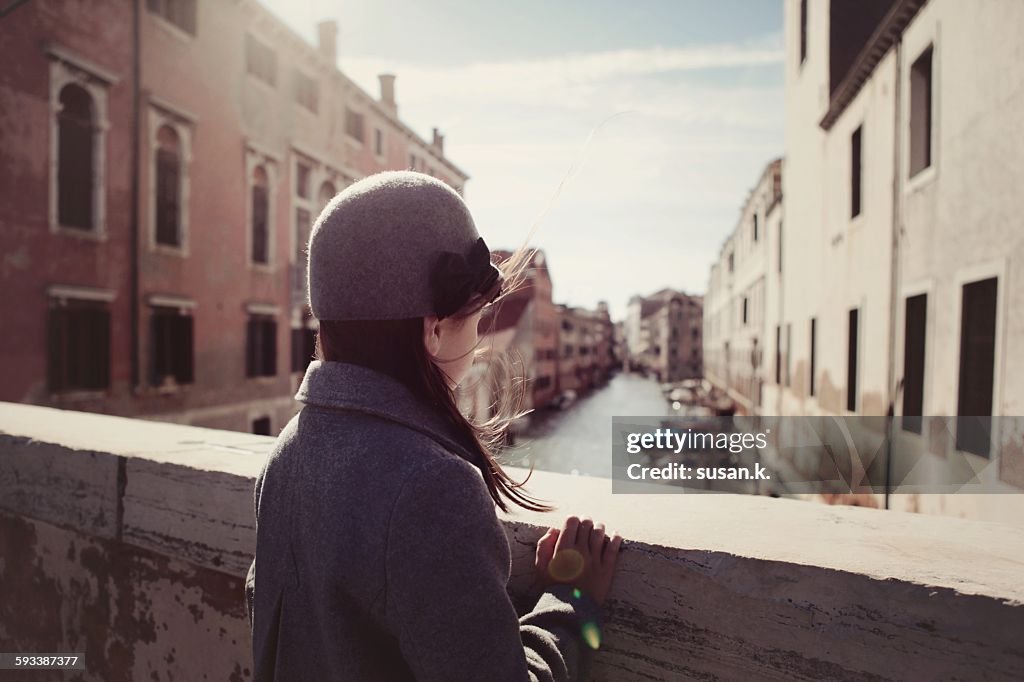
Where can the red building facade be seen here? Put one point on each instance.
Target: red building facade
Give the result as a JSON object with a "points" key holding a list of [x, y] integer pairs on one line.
{"points": [[163, 162]]}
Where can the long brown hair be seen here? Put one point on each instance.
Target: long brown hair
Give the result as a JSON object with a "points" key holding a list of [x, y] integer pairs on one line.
{"points": [[395, 348]]}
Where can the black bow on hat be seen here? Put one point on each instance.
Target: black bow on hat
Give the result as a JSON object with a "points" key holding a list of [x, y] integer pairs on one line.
{"points": [[457, 277]]}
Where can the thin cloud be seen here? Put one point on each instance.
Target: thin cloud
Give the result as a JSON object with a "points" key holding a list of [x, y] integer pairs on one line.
{"points": [[511, 78], [659, 186]]}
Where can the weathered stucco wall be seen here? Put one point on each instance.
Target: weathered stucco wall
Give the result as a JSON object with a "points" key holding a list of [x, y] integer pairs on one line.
{"points": [[127, 541]]}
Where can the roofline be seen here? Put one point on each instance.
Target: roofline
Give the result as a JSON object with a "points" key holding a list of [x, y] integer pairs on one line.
{"points": [[885, 36], [301, 43]]}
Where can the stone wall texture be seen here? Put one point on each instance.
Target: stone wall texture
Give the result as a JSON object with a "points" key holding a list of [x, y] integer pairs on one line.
{"points": [[127, 541]]}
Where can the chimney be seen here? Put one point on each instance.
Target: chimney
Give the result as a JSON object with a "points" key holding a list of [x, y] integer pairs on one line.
{"points": [[328, 39], [387, 91], [439, 141]]}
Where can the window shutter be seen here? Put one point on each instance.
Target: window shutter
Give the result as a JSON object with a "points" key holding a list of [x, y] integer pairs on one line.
{"points": [[56, 353], [103, 347], [270, 363], [168, 198], [250, 348], [75, 161], [155, 349], [186, 366]]}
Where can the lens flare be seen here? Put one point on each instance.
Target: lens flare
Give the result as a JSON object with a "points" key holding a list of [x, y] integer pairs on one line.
{"points": [[591, 634], [566, 565]]}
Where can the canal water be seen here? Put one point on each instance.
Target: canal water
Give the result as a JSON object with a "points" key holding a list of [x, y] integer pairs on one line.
{"points": [[578, 440]]}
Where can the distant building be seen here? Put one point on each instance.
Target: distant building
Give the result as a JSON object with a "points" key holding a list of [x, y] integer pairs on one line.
{"points": [[901, 244], [519, 332], [663, 334], [741, 305], [903, 204], [585, 359], [175, 292], [572, 350]]}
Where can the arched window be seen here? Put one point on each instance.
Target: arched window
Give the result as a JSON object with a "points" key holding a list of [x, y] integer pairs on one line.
{"points": [[75, 158], [327, 192], [260, 214], [168, 187]]}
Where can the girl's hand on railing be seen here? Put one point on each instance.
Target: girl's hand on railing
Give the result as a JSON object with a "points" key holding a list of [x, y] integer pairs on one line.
{"points": [[581, 555]]}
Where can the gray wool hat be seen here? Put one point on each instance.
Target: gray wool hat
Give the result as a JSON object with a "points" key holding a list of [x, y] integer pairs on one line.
{"points": [[395, 245]]}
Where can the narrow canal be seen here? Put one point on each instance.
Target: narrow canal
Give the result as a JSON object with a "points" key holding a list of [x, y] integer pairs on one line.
{"points": [[578, 440]]}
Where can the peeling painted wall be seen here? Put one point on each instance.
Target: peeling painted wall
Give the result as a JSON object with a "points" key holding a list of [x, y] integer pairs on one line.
{"points": [[133, 613]]}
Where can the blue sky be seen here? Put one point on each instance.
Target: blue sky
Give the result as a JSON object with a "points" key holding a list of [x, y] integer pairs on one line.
{"points": [[681, 102]]}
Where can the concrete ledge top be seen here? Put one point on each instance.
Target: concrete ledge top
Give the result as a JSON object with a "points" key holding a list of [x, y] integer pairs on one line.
{"points": [[196, 447], [969, 557]]}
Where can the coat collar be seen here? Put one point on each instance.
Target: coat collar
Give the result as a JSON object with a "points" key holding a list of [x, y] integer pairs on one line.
{"points": [[354, 388]]}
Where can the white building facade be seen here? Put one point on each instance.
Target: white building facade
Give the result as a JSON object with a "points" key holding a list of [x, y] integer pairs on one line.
{"points": [[903, 242]]}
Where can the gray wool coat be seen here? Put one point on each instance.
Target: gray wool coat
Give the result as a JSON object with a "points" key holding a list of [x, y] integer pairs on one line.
{"points": [[380, 553]]}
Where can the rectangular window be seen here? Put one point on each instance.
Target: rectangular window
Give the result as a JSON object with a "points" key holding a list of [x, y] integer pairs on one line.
{"points": [[181, 13], [731, 261], [171, 346], [977, 366], [302, 180], [261, 346], [921, 113], [168, 193], [856, 172], [851, 360], [803, 31], [780, 247], [260, 211], [78, 339], [76, 159], [354, 125], [260, 60], [303, 348], [303, 223], [261, 426], [412, 162], [306, 91], [778, 354], [814, 353], [744, 310], [789, 351], [916, 318], [378, 142], [755, 227]]}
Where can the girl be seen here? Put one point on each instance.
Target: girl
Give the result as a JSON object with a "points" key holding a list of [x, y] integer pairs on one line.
{"points": [[380, 553]]}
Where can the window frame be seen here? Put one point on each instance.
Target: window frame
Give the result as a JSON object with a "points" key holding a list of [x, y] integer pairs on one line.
{"points": [[61, 298], [352, 116], [968, 314], [252, 45], [167, 22], [301, 80], [162, 114], [912, 423], [69, 69], [254, 368], [167, 308], [854, 335], [913, 174], [857, 172], [803, 19], [255, 158]]}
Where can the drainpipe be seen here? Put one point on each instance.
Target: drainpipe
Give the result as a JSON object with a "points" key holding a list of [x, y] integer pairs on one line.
{"points": [[136, 122], [894, 282]]}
